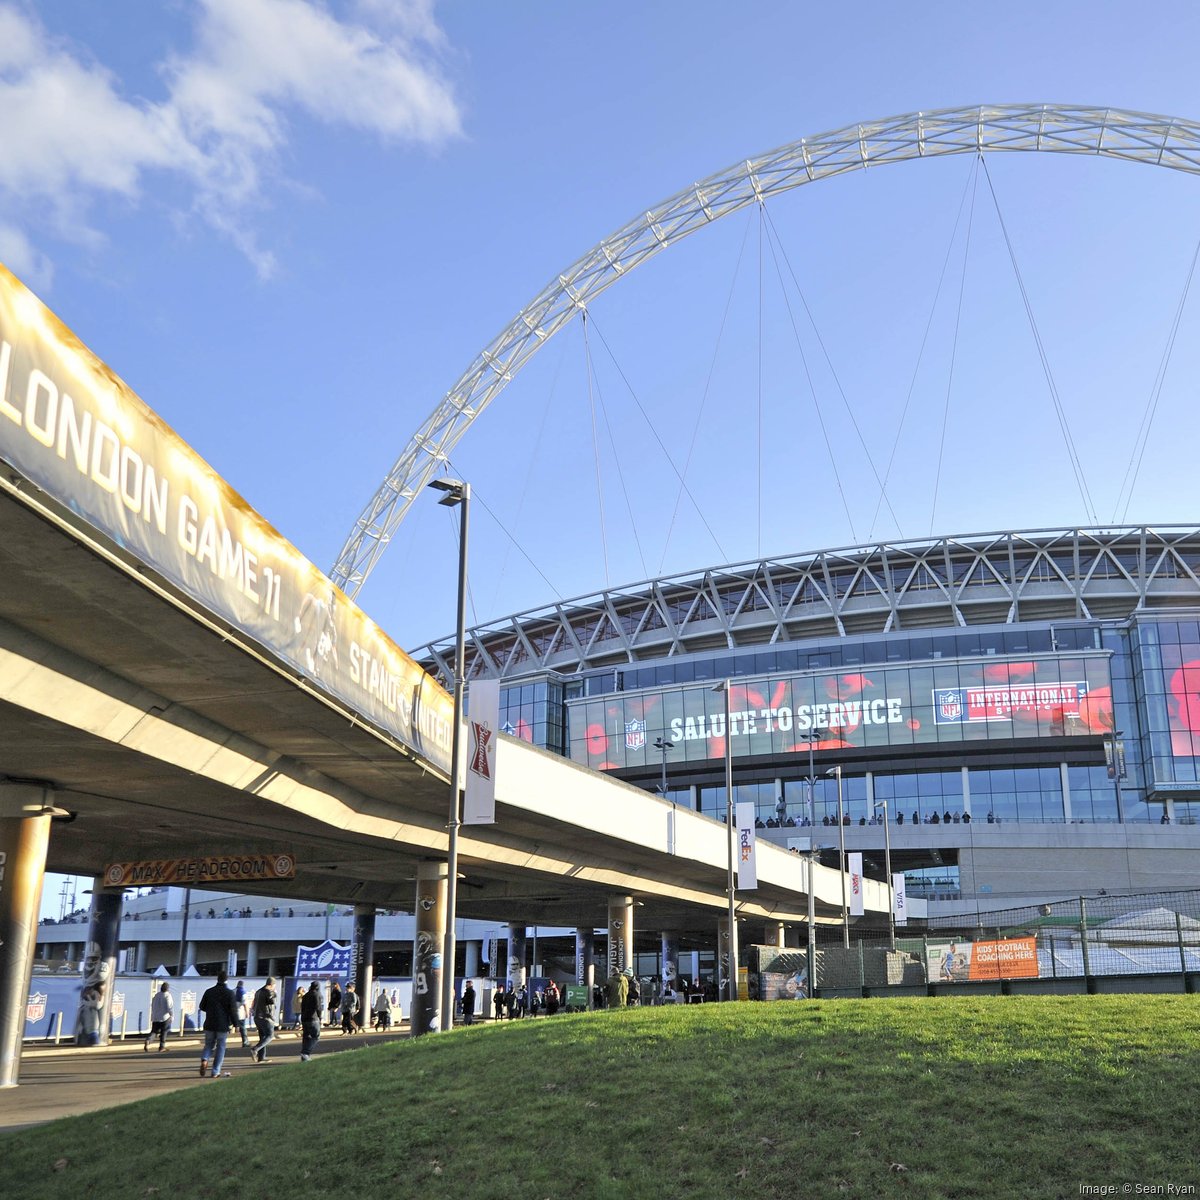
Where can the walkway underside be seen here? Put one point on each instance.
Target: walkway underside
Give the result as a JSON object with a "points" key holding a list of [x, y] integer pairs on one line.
{"points": [[168, 735]]}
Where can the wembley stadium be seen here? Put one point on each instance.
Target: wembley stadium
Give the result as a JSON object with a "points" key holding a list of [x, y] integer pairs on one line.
{"points": [[1020, 709]]}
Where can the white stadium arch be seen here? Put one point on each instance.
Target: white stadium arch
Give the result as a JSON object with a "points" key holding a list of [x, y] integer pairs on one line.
{"points": [[1060, 129]]}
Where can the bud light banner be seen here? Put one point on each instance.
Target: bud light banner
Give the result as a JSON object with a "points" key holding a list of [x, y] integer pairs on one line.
{"points": [[947, 701]]}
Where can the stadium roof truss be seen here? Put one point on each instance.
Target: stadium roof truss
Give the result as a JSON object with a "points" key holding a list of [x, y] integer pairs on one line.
{"points": [[1105, 132], [888, 587]]}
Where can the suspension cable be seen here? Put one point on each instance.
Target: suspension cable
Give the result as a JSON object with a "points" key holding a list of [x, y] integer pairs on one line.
{"points": [[1143, 435], [813, 392], [912, 383], [537, 444], [587, 350], [477, 498], [1060, 412], [612, 441], [962, 287], [836, 379], [657, 438], [759, 406], [712, 367]]}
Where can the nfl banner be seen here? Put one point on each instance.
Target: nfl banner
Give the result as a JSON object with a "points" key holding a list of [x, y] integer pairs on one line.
{"points": [[322, 961], [747, 864], [900, 901], [856, 885], [479, 801]]}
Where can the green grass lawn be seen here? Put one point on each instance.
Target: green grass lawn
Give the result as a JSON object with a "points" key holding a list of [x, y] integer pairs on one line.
{"points": [[993, 1097]]}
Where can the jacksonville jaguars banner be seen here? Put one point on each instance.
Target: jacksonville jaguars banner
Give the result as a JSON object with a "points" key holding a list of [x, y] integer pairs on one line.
{"points": [[73, 427]]}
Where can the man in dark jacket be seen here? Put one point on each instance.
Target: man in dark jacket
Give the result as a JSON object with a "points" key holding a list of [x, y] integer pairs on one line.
{"points": [[220, 1016], [310, 1022], [263, 1011]]}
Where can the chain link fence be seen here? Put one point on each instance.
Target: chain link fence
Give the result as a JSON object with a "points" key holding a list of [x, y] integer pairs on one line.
{"points": [[1153, 935]]}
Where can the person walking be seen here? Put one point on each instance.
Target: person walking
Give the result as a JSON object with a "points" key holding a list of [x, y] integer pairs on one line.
{"points": [[310, 1022], [161, 1008], [381, 1011], [350, 1011], [263, 1010], [335, 1003], [242, 1010], [552, 998], [220, 1017], [498, 1002], [468, 1003]]}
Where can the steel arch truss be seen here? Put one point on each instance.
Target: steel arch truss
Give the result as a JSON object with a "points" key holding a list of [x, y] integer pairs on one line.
{"points": [[981, 579], [1113, 133]]}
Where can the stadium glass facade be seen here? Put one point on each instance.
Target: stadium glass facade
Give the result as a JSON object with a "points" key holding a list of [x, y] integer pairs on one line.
{"points": [[1017, 680]]}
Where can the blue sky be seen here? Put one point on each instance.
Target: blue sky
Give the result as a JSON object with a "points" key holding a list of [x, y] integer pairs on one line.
{"points": [[291, 224]]}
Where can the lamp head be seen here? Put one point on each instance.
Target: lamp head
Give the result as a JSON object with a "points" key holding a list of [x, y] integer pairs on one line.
{"points": [[456, 491]]}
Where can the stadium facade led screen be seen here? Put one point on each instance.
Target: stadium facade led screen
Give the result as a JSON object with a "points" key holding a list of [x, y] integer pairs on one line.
{"points": [[948, 701]]}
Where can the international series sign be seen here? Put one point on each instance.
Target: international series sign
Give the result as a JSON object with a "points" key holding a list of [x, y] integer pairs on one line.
{"points": [[194, 872]]}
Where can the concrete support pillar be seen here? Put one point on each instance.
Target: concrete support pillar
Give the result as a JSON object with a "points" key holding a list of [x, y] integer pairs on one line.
{"points": [[471, 955], [585, 960], [670, 961], [430, 933], [92, 1024], [516, 955], [791, 936], [252, 958], [1064, 773], [620, 934], [189, 955], [23, 843], [362, 959], [272, 968], [775, 934], [139, 963]]}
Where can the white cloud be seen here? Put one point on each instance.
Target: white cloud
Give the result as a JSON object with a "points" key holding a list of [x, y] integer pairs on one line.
{"points": [[70, 135], [23, 260]]}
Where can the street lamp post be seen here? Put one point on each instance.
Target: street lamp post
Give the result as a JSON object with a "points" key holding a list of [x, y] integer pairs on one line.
{"points": [[662, 745], [458, 494], [887, 869], [837, 771], [812, 862], [731, 978]]}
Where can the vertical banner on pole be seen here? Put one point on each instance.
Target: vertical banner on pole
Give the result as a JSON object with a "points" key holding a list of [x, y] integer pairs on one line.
{"points": [[479, 801], [901, 900], [747, 864], [427, 947], [856, 884], [362, 959]]}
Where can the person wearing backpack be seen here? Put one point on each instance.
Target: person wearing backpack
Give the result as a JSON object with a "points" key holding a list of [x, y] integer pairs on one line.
{"points": [[263, 1011]]}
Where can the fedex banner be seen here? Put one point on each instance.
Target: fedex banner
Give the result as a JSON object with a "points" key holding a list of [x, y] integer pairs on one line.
{"points": [[949, 700], [75, 429]]}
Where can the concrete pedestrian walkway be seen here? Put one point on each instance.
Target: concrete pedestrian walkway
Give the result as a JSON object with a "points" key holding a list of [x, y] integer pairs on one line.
{"points": [[63, 1081]]}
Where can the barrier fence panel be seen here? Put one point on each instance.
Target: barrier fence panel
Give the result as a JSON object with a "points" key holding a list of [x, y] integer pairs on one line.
{"points": [[1087, 940]]}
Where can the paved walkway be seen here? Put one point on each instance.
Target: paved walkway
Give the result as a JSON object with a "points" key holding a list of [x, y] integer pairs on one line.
{"points": [[62, 1081]]}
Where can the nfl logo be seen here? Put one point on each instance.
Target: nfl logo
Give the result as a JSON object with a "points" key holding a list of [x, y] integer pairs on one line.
{"points": [[635, 735], [35, 1010], [950, 705]]}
